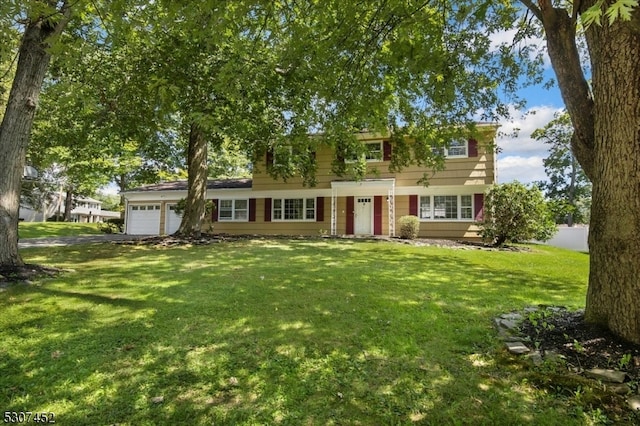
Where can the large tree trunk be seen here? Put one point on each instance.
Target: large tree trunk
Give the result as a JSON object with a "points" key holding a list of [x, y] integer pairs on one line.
{"points": [[197, 184], [607, 144], [15, 129], [614, 239], [68, 205]]}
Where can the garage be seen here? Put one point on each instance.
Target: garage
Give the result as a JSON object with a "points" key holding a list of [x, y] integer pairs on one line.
{"points": [[172, 219], [143, 219]]}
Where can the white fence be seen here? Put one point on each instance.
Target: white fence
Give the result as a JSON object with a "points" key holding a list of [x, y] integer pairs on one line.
{"points": [[574, 238]]}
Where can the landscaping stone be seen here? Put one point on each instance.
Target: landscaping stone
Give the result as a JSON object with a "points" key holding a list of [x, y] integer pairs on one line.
{"points": [[618, 388], [634, 402], [605, 375], [536, 358], [517, 348]]}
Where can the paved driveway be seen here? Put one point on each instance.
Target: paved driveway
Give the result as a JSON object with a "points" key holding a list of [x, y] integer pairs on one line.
{"points": [[67, 241]]}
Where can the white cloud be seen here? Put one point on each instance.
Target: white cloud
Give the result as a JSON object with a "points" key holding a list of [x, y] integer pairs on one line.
{"points": [[521, 156], [522, 169]]}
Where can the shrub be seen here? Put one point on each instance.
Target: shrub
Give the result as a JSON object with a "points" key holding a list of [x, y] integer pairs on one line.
{"points": [[515, 213], [112, 226], [409, 227]]}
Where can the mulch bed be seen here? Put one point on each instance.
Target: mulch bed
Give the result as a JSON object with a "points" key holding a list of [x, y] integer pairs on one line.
{"points": [[584, 346], [25, 273]]}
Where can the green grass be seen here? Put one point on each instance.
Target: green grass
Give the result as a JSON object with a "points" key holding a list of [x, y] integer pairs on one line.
{"points": [[56, 229], [281, 332]]}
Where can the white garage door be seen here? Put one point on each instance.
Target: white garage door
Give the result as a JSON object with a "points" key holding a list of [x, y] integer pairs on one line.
{"points": [[172, 219], [144, 219]]}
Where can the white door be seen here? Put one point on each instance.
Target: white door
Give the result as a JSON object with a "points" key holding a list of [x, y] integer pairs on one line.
{"points": [[144, 219], [172, 219], [363, 216]]}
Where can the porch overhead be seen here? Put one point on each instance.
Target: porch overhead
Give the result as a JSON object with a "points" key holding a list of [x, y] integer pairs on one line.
{"points": [[366, 187]]}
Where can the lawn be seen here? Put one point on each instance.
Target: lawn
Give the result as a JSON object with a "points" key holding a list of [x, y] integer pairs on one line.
{"points": [[282, 332], [56, 229]]}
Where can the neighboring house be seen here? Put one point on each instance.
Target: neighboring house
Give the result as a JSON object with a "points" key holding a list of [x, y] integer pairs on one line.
{"points": [[86, 210], [448, 207]]}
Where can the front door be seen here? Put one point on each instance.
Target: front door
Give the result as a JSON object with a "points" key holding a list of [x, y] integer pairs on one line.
{"points": [[363, 216]]}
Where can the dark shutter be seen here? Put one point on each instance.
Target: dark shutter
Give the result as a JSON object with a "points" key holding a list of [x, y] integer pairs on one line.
{"points": [[269, 160], [252, 209], [478, 206], [377, 215], [413, 205], [473, 148], [350, 211], [214, 210], [320, 209], [386, 149], [267, 209]]}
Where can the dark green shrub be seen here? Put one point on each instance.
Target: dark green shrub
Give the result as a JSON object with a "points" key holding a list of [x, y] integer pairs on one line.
{"points": [[112, 226], [516, 213], [409, 227]]}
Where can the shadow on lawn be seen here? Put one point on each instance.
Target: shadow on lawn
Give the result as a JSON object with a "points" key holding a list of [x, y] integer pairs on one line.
{"points": [[327, 335]]}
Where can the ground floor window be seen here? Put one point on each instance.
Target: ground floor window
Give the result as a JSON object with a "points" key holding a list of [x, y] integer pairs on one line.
{"points": [[446, 207], [294, 209], [233, 210]]}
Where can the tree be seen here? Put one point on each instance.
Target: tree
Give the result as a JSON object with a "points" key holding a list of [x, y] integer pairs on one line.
{"points": [[606, 142], [568, 186], [44, 20], [515, 213]]}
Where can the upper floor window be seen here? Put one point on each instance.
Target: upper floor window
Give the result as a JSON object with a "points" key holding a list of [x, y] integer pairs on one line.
{"points": [[294, 209], [456, 149], [233, 210], [373, 152]]}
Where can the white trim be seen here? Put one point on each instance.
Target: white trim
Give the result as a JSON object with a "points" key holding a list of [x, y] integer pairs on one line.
{"points": [[458, 208], [305, 208], [233, 209]]}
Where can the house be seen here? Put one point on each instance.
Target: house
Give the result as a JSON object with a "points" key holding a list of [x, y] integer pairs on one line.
{"points": [[448, 207], [86, 210]]}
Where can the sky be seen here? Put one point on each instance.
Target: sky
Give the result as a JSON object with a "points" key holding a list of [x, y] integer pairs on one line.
{"points": [[521, 156]]}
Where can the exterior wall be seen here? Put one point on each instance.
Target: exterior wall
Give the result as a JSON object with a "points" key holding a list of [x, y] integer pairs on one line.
{"points": [[462, 176], [478, 170]]}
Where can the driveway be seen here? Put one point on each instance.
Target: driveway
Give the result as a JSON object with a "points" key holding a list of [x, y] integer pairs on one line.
{"points": [[67, 241]]}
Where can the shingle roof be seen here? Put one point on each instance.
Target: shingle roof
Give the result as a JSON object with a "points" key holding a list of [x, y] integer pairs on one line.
{"points": [[181, 185]]}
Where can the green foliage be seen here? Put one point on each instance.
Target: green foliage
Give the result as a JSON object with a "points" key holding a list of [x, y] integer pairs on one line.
{"points": [[112, 226], [409, 227], [568, 187], [256, 332], [619, 9], [515, 213]]}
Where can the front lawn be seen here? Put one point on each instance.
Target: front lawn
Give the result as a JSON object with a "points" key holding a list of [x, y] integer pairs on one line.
{"points": [[56, 229], [282, 332]]}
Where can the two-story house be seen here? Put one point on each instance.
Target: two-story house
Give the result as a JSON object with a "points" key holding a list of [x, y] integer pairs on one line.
{"points": [[448, 207]]}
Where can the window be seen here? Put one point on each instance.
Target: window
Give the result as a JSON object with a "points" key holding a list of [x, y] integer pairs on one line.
{"points": [[425, 207], [373, 152], [294, 209], [466, 207], [456, 149], [233, 210], [446, 207]]}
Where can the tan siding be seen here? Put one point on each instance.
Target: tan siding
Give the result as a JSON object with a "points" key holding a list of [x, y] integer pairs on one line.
{"points": [[273, 228], [431, 229], [465, 171]]}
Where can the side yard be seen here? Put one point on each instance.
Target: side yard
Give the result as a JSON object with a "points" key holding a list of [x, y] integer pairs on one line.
{"points": [[283, 332]]}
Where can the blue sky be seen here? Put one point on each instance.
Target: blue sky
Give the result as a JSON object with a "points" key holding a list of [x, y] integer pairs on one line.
{"points": [[521, 157]]}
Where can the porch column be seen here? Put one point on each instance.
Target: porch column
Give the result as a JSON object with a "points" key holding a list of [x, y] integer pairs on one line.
{"points": [[334, 211]]}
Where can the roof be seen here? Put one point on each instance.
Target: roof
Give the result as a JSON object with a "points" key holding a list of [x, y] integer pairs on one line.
{"points": [[181, 185]]}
